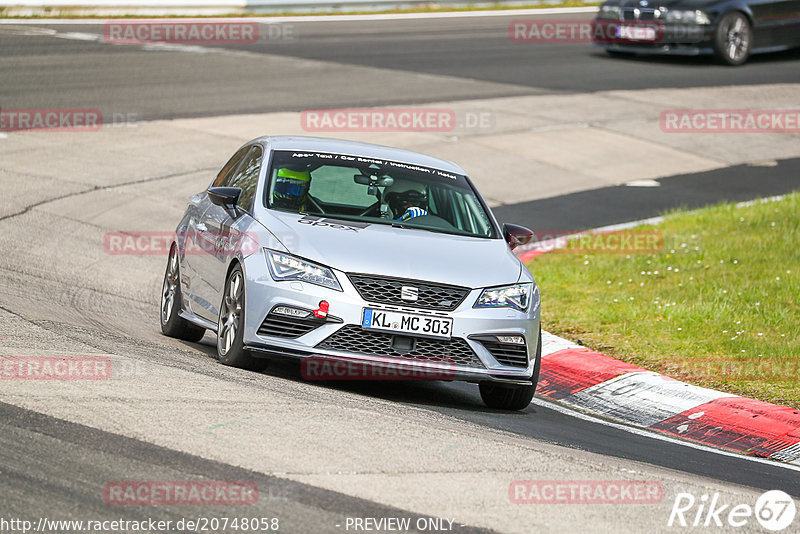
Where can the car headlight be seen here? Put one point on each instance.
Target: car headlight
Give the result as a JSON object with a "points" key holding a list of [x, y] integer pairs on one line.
{"points": [[516, 296], [687, 16], [610, 12], [285, 267]]}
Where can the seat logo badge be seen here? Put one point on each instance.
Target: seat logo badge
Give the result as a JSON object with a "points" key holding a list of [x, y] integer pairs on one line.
{"points": [[409, 293]]}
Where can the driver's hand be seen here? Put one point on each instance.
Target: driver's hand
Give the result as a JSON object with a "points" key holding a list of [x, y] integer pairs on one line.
{"points": [[413, 212]]}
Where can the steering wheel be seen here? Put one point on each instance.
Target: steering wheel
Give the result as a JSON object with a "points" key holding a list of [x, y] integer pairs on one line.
{"points": [[373, 208]]}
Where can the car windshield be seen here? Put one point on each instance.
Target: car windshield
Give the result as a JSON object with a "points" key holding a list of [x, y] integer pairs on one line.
{"points": [[376, 191]]}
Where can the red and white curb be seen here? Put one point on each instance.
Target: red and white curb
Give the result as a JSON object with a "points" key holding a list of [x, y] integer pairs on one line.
{"points": [[592, 382]]}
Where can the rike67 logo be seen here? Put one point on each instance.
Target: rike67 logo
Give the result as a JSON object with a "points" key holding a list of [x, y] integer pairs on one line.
{"points": [[774, 510]]}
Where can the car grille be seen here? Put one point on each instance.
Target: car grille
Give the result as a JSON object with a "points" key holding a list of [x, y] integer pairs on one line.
{"points": [[352, 338], [630, 13], [507, 353], [388, 291], [288, 327]]}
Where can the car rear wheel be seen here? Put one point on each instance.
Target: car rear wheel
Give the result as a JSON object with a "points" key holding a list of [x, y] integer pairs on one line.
{"points": [[172, 324], [733, 40], [513, 397], [230, 327]]}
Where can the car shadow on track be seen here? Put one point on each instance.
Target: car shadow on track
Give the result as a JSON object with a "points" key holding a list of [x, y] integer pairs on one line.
{"points": [[424, 393], [699, 61]]}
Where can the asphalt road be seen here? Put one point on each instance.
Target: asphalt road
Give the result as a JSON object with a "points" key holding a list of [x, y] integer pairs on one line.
{"points": [[333, 65], [66, 295], [64, 469], [620, 204]]}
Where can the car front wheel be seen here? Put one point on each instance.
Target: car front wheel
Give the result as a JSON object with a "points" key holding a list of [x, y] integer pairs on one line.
{"points": [[230, 327], [172, 324], [513, 397], [733, 40]]}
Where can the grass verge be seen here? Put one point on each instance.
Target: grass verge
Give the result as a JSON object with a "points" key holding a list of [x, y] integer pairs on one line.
{"points": [[718, 306]]}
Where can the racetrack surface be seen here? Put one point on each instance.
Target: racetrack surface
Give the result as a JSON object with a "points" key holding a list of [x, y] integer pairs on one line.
{"points": [[337, 64], [618, 204], [318, 452]]}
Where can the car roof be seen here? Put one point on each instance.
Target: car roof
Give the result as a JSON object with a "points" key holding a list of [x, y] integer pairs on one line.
{"points": [[355, 148]]}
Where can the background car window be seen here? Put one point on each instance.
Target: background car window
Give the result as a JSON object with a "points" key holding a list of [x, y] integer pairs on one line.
{"points": [[227, 171], [246, 178]]}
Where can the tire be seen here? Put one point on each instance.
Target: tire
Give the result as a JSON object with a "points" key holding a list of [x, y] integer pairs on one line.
{"points": [[230, 326], [733, 39], [513, 398], [172, 324]]}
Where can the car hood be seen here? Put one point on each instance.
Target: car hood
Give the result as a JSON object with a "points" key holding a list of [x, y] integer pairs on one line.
{"points": [[357, 247]]}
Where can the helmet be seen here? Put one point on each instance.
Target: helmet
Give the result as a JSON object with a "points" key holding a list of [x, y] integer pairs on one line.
{"points": [[291, 187], [405, 194]]}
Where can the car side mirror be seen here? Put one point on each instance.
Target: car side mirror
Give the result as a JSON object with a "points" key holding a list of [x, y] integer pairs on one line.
{"points": [[516, 235], [225, 197]]}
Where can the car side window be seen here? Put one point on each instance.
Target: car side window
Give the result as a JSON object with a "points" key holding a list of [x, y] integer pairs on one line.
{"points": [[224, 176], [246, 178]]}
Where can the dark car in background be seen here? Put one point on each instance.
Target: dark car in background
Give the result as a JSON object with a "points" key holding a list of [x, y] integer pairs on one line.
{"points": [[732, 30]]}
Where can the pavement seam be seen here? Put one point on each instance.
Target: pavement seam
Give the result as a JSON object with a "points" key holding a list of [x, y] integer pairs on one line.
{"points": [[101, 187]]}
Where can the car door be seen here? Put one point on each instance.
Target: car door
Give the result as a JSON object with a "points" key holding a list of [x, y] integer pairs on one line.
{"points": [[786, 15], [200, 243], [763, 14], [225, 231]]}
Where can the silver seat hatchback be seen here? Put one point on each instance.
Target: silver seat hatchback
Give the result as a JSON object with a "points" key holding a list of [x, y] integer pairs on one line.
{"points": [[366, 262]]}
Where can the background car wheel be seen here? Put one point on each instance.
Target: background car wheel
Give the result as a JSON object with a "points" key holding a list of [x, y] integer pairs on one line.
{"points": [[172, 324], [230, 328], [507, 397], [733, 39]]}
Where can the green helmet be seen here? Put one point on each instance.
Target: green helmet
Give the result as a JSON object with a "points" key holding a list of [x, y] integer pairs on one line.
{"points": [[291, 187]]}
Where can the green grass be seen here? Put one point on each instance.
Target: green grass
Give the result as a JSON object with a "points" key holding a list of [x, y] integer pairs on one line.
{"points": [[717, 307], [430, 8]]}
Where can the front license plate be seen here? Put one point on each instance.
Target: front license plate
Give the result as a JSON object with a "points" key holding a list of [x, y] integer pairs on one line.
{"points": [[407, 323], [637, 33]]}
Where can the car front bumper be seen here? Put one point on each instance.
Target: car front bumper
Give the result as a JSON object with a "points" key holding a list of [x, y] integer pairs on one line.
{"points": [[671, 39], [263, 294]]}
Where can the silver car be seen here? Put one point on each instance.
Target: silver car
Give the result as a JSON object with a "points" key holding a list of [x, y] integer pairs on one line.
{"points": [[366, 262]]}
